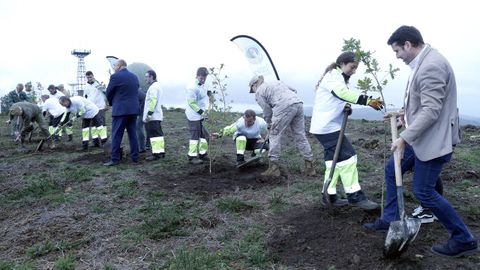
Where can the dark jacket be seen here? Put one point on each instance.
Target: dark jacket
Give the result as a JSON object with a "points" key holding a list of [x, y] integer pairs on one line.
{"points": [[14, 97], [122, 93], [141, 101]]}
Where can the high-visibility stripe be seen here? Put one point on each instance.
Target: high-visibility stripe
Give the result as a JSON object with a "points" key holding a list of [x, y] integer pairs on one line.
{"points": [[193, 104], [347, 171], [192, 148], [85, 134], [69, 130], [158, 145], [351, 160], [241, 144], [102, 132], [203, 147]]}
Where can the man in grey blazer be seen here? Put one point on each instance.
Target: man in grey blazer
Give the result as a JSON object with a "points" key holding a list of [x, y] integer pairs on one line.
{"points": [[432, 130]]}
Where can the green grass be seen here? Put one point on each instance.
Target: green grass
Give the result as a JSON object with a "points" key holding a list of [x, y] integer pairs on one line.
{"points": [[234, 205], [160, 220], [40, 249], [66, 262], [311, 191], [4, 265], [277, 202], [471, 156], [194, 259], [126, 189], [39, 186], [153, 224], [78, 173], [248, 251]]}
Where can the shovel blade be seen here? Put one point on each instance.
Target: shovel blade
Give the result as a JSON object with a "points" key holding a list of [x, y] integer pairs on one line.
{"points": [[40, 144], [400, 234], [250, 161]]}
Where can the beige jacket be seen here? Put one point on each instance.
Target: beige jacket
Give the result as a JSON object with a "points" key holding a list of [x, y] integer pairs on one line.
{"points": [[431, 108]]}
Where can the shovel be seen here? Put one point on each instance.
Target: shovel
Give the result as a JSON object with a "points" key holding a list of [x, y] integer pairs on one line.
{"points": [[326, 198], [402, 232], [256, 158], [40, 144]]}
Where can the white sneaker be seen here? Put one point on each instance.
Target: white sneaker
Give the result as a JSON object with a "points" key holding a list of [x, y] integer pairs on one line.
{"points": [[424, 214]]}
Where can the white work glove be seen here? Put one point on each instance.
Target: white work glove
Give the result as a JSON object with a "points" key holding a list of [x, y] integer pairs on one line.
{"points": [[8, 122]]}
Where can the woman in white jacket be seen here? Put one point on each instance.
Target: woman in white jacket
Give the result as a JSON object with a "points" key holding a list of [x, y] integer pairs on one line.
{"points": [[332, 94]]}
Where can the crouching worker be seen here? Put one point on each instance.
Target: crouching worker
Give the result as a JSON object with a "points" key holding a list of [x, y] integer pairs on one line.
{"points": [[28, 113], [81, 107], [55, 113], [247, 132]]}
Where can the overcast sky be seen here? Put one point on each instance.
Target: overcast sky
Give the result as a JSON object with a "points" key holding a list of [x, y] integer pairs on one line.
{"points": [[176, 37]]}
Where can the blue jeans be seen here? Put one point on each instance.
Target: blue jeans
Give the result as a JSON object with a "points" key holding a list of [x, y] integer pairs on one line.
{"points": [[425, 176], [142, 141]]}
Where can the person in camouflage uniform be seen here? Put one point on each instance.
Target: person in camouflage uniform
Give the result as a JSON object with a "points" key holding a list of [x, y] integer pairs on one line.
{"points": [[15, 96], [28, 113], [282, 109], [31, 97]]}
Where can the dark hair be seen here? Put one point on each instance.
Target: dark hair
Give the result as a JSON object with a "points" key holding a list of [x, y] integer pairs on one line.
{"points": [[343, 58], [51, 86], [152, 74], [406, 33], [89, 73], [64, 98], [249, 113], [202, 71]]}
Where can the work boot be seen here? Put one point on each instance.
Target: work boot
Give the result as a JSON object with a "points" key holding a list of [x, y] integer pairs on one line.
{"points": [[195, 161], [85, 145], [309, 169], [70, 137], [273, 170], [155, 157], [359, 199], [240, 159], [203, 157], [334, 201], [96, 142], [51, 144]]}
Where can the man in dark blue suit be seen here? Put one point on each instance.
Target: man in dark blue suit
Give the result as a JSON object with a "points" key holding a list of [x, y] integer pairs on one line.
{"points": [[122, 95]]}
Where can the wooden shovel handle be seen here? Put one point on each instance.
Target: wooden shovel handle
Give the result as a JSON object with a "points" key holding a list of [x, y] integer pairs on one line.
{"points": [[396, 154]]}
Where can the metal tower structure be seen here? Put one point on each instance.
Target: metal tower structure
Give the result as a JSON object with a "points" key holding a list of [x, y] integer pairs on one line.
{"points": [[80, 54]]}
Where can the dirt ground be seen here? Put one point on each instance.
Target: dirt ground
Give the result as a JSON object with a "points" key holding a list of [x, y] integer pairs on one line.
{"points": [[94, 208]]}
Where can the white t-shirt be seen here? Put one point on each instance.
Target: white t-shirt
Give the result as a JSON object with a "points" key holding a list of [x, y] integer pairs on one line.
{"points": [[253, 131], [53, 107], [57, 95]]}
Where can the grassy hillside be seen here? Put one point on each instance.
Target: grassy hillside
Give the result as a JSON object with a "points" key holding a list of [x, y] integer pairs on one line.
{"points": [[61, 209]]}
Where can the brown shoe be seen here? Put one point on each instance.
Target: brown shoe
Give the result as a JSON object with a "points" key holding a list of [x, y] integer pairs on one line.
{"points": [[309, 169], [272, 171]]}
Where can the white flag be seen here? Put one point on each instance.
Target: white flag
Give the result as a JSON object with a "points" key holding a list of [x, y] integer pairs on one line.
{"points": [[257, 56]]}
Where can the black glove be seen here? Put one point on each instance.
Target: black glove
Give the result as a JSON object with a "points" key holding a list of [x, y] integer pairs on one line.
{"points": [[347, 109], [200, 111]]}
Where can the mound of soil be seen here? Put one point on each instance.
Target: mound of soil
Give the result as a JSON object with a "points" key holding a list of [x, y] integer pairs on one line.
{"points": [[321, 238], [224, 178]]}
